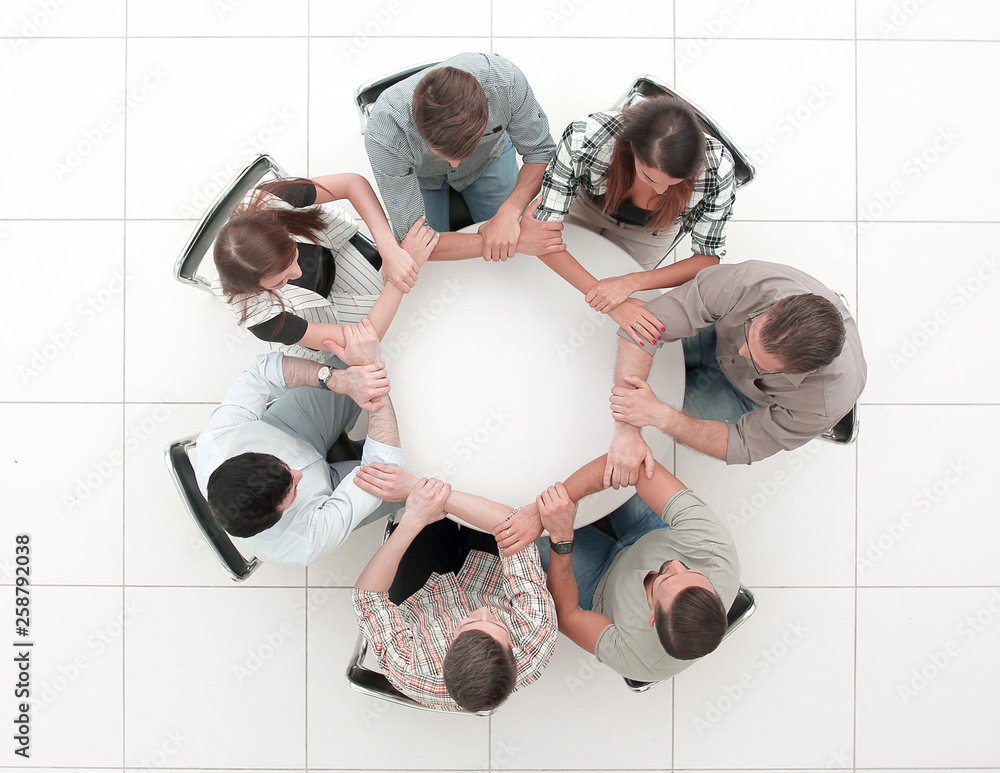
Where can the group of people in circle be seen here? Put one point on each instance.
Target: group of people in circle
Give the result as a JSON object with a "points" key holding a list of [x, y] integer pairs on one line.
{"points": [[459, 617]]}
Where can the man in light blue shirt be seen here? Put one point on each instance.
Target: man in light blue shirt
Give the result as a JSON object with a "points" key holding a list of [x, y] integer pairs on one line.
{"points": [[263, 468]]}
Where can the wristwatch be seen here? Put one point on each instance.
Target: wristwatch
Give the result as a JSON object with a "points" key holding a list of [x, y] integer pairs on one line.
{"points": [[562, 548], [323, 375]]}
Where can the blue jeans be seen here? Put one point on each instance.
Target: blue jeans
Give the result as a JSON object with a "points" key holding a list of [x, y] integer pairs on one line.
{"points": [[483, 196], [595, 550], [707, 392]]}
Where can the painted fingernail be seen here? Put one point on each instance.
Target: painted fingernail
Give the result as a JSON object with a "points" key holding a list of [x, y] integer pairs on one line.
{"points": [[663, 330], [641, 343]]}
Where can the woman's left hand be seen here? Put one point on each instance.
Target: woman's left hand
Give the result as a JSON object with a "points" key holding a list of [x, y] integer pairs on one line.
{"points": [[609, 293]]}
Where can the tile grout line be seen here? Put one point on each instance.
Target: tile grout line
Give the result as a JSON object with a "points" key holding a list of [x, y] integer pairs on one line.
{"points": [[857, 466], [124, 382]]}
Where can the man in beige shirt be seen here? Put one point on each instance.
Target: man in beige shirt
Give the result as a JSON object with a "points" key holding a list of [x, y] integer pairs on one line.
{"points": [[773, 358]]}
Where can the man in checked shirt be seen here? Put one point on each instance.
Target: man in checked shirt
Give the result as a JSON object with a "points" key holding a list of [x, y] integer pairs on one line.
{"points": [[452, 624]]}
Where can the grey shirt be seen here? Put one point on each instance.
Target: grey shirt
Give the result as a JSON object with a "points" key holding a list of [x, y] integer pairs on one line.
{"points": [[697, 538], [794, 408], [401, 160]]}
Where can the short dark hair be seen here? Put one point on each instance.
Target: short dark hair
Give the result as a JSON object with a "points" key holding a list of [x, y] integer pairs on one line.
{"points": [[479, 672], [693, 626], [804, 332], [450, 110], [244, 493]]}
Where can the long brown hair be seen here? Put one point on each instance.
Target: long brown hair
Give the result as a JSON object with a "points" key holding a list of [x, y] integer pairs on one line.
{"points": [[665, 134], [257, 241]]}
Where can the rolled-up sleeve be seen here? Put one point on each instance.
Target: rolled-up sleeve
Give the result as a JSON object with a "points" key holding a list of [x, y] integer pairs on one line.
{"points": [[529, 126], [562, 176], [343, 511], [395, 176], [718, 183], [386, 631], [769, 429], [533, 624]]}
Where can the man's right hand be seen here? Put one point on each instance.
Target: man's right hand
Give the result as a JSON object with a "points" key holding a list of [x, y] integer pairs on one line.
{"points": [[627, 453], [539, 237], [558, 513], [361, 344], [426, 503], [364, 384], [386, 481]]}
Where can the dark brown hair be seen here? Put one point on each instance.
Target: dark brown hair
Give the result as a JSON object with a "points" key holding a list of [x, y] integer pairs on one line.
{"points": [[804, 332], [665, 134], [257, 241], [693, 626], [450, 110], [479, 672]]}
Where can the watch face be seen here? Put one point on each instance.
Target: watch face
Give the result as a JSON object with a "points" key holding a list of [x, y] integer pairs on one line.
{"points": [[562, 547]]}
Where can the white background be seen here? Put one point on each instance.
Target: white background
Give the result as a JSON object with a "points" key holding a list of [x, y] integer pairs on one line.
{"points": [[873, 125]]}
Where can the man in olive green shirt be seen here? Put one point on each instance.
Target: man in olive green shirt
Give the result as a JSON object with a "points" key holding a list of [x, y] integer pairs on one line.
{"points": [[661, 593]]}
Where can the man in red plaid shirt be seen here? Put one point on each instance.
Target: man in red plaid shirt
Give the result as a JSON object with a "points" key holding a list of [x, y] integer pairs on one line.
{"points": [[453, 624]]}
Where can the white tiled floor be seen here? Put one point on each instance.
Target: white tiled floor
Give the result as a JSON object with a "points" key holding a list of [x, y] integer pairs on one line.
{"points": [[875, 644]]}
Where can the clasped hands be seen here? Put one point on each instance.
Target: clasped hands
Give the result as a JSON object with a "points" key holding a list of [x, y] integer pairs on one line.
{"points": [[552, 509], [366, 378]]}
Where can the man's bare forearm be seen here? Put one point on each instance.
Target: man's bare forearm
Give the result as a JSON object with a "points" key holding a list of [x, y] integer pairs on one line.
{"points": [[529, 182], [588, 480], [381, 569], [703, 435], [382, 424], [298, 372], [477, 511]]}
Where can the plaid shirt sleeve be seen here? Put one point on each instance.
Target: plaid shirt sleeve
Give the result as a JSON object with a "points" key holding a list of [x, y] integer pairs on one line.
{"points": [[717, 186], [581, 158], [533, 618]]}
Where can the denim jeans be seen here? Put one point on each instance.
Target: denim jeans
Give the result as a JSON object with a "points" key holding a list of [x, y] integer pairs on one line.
{"points": [[595, 550], [483, 197], [707, 392]]}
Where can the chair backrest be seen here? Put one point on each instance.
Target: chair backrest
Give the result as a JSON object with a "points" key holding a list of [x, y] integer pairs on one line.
{"points": [[374, 683], [742, 608], [186, 270], [845, 431], [646, 86], [178, 458], [366, 94]]}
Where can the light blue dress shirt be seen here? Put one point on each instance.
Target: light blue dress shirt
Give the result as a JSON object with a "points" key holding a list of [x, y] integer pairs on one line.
{"points": [[321, 516]]}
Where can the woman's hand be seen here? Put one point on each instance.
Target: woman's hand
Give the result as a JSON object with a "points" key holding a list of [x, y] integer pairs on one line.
{"points": [[401, 262], [631, 314], [610, 292]]}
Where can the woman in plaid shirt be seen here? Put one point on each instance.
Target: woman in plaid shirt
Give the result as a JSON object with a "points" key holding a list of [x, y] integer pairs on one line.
{"points": [[637, 177]]}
